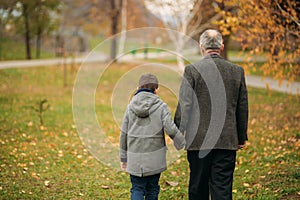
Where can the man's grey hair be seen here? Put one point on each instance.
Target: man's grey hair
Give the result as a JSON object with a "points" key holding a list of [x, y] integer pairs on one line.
{"points": [[211, 39]]}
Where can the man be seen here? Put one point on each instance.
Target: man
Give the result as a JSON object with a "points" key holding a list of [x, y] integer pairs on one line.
{"points": [[213, 112]]}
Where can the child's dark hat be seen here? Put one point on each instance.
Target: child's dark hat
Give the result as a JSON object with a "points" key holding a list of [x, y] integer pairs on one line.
{"points": [[147, 79]]}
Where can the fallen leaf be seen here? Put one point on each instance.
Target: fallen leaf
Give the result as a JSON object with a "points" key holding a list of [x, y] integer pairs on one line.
{"points": [[46, 183], [246, 184], [171, 183], [105, 187], [174, 173], [258, 185]]}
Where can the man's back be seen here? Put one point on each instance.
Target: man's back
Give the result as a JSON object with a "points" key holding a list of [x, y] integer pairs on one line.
{"points": [[218, 88], [213, 110]]}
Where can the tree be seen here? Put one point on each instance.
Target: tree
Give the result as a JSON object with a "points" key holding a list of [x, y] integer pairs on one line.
{"points": [[186, 17], [32, 18], [110, 10], [124, 26], [42, 20], [269, 28], [6, 8], [26, 8], [115, 10]]}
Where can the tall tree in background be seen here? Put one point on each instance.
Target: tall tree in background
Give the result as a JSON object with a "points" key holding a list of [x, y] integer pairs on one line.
{"points": [[6, 8], [115, 11], [26, 8], [31, 18], [42, 21], [110, 10], [186, 17], [123, 26], [268, 28]]}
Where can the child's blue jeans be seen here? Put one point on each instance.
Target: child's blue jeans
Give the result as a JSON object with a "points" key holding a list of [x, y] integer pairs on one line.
{"points": [[146, 187]]}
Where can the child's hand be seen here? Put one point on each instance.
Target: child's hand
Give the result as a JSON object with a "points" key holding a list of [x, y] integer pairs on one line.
{"points": [[179, 141], [123, 166]]}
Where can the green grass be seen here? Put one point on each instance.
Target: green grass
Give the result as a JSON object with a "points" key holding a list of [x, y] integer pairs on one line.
{"points": [[50, 162], [131, 46], [15, 50]]}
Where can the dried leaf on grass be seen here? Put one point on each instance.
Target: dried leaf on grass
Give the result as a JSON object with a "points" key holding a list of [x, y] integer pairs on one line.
{"points": [[105, 187], [171, 183]]}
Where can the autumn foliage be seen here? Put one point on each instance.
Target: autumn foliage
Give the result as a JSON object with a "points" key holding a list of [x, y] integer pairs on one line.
{"points": [[267, 28]]}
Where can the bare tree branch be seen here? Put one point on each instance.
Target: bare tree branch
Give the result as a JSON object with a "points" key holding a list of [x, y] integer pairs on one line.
{"points": [[291, 17]]}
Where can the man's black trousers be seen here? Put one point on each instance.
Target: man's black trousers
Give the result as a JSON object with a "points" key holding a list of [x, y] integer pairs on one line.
{"points": [[212, 174]]}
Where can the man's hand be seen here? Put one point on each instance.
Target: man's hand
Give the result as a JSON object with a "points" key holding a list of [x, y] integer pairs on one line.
{"points": [[242, 145], [123, 166]]}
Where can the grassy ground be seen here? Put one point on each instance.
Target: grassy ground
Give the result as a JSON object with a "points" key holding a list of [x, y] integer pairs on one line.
{"points": [[14, 50], [50, 162]]}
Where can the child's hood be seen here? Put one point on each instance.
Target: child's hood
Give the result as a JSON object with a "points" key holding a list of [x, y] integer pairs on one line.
{"points": [[144, 103]]}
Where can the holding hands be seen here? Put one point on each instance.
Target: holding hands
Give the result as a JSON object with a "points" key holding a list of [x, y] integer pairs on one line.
{"points": [[123, 166]]}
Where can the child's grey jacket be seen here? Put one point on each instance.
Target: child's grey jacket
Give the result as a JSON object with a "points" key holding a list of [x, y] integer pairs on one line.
{"points": [[142, 141]]}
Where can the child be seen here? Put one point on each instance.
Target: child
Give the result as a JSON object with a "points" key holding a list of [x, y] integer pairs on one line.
{"points": [[142, 142]]}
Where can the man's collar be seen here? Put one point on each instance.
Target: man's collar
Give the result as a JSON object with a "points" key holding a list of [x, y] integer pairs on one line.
{"points": [[213, 52]]}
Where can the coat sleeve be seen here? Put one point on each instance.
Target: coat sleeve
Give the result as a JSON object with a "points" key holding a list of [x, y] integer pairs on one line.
{"points": [[185, 102], [242, 110], [171, 129], [123, 137]]}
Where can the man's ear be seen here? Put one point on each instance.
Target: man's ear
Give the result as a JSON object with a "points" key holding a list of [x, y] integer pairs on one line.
{"points": [[201, 47], [222, 48], [202, 50]]}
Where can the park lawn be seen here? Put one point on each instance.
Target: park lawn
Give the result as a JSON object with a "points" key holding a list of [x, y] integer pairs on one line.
{"points": [[50, 162], [14, 50]]}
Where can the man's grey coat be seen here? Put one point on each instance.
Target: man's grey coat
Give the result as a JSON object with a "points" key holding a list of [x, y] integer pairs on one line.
{"points": [[213, 105]]}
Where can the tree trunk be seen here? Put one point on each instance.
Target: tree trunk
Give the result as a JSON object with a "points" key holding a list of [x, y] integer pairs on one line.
{"points": [[115, 12], [27, 31], [224, 54], [124, 27], [1, 37], [38, 42]]}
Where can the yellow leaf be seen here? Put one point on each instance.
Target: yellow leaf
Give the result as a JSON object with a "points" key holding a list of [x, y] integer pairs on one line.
{"points": [[246, 184], [46, 183]]}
